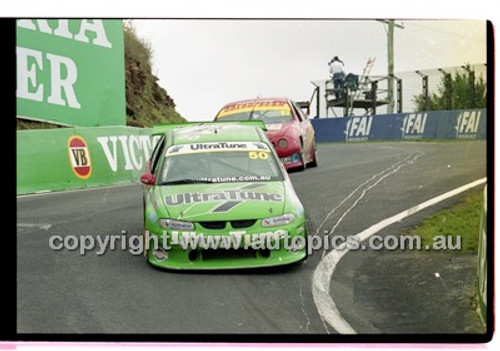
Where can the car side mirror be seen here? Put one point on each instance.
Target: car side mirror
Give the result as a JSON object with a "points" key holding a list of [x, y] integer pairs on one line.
{"points": [[148, 179]]}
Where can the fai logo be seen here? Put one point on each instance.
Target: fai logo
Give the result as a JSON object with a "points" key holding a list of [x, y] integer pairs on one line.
{"points": [[414, 125], [467, 124], [358, 128], [79, 157]]}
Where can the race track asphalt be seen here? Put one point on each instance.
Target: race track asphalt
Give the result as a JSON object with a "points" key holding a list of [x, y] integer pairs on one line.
{"points": [[355, 186]]}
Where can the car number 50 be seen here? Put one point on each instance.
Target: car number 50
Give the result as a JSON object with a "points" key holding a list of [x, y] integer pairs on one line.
{"points": [[255, 155]]}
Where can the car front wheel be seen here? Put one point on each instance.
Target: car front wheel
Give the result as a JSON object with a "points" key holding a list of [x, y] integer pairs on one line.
{"points": [[314, 162]]}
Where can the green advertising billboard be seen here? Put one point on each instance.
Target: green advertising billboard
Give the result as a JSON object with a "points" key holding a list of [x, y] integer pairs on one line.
{"points": [[80, 157], [71, 72]]}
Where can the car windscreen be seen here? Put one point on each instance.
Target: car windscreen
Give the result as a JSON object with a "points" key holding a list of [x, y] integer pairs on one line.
{"points": [[267, 112], [219, 162]]}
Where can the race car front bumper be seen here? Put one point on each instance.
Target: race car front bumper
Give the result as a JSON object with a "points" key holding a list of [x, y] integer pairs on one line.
{"points": [[248, 254]]}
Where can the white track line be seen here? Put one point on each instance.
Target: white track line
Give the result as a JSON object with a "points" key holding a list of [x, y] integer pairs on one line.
{"points": [[70, 191], [355, 190], [35, 225], [391, 170], [363, 193], [325, 269]]}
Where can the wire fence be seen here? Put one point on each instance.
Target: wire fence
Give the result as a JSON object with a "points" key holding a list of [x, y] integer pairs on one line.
{"points": [[412, 84]]}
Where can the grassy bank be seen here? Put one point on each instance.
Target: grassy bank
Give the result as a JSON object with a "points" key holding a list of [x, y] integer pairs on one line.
{"points": [[462, 220]]}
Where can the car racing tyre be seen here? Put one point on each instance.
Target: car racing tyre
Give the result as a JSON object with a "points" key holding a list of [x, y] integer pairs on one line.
{"points": [[314, 162], [302, 158], [144, 251], [309, 230]]}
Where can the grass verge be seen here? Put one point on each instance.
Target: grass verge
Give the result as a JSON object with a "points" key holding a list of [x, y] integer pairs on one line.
{"points": [[462, 220]]}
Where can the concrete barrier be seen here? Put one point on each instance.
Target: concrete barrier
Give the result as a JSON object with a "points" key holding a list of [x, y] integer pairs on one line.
{"points": [[70, 158]]}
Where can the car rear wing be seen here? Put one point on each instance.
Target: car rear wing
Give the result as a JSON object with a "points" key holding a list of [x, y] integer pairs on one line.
{"points": [[164, 128]]}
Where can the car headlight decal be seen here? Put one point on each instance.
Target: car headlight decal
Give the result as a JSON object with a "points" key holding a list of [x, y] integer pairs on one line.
{"points": [[283, 219], [174, 224]]}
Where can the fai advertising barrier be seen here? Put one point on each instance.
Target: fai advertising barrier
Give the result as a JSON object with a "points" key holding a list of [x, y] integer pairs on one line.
{"points": [[71, 72], [69, 158], [456, 124]]}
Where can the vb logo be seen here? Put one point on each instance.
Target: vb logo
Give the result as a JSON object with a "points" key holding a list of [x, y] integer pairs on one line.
{"points": [[79, 157]]}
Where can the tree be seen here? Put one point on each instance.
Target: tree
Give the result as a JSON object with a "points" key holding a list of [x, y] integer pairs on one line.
{"points": [[459, 91]]}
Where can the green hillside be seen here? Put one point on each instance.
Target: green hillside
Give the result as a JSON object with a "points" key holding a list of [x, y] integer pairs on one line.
{"points": [[147, 102]]}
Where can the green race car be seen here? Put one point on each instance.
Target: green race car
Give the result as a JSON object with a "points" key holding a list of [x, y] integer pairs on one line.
{"points": [[217, 197]]}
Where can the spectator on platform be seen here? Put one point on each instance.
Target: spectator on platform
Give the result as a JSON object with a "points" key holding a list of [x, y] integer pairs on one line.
{"points": [[337, 73]]}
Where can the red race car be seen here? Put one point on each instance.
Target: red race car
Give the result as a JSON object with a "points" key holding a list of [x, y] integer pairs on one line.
{"points": [[287, 128]]}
